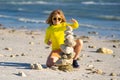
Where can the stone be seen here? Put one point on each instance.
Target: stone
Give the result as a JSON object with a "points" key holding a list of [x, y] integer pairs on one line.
{"points": [[66, 68], [12, 55], [67, 54], [69, 37], [114, 46], [71, 55], [69, 28], [66, 49], [54, 68], [67, 32], [113, 74], [93, 32], [32, 66], [9, 49], [22, 54], [36, 66], [98, 71], [22, 74], [64, 56], [92, 46], [32, 43], [64, 62], [90, 66], [104, 51], [70, 42]]}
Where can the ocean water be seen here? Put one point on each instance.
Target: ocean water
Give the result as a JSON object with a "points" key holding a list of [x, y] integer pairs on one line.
{"points": [[102, 16]]}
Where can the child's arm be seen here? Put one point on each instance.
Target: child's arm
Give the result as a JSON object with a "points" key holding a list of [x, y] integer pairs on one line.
{"points": [[47, 37], [74, 24]]}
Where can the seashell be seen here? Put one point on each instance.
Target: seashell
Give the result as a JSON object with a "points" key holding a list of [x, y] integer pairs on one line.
{"points": [[66, 49]]}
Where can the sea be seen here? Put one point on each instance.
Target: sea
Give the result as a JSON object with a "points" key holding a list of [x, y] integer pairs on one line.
{"points": [[101, 16]]}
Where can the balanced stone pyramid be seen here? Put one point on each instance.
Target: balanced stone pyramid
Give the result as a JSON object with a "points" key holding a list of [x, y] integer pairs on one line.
{"points": [[67, 54]]}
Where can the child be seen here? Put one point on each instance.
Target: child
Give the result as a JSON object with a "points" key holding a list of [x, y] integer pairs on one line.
{"points": [[55, 37]]}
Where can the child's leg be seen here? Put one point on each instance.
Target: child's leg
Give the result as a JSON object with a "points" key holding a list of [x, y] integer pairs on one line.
{"points": [[77, 49], [53, 57]]}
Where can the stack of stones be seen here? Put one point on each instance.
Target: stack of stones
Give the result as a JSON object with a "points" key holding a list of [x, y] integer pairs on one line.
{"points": [[67, 54]]}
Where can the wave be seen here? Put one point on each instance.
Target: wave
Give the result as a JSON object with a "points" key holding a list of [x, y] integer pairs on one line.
{"points": [[28, 2], [4, 16], [109, 17], [26, 20], [100, 27], [21, 9], [99, 3], [32, 2]]}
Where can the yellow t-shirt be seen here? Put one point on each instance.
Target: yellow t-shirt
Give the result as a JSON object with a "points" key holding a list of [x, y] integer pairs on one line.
{"points": [[55, 34]]}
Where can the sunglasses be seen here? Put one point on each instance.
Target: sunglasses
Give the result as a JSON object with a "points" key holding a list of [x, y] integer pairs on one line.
{"points": [[55, 19]]}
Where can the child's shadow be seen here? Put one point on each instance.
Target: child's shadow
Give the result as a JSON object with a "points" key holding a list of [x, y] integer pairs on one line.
{"points": [[18, 65]]}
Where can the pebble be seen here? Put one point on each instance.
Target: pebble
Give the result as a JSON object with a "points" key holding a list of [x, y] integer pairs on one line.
{"points": [[31, 43], [22, 74], [22, 54], [36, 66], [9, 49], [113, 79], [104, 51], [12, 55], [93, 32], [99, 71], [91, 46], [114, 46], [113, 74], [90, 66]]}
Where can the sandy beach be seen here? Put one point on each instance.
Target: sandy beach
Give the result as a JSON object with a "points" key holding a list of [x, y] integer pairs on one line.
{"points": [[20, 48]]}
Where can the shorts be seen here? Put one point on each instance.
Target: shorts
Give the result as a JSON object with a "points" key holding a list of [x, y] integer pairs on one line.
{"points": [[56, 53]]}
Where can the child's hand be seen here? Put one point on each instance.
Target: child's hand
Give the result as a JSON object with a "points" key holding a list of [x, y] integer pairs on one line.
{"points": [[73, 20], [49, 43]]}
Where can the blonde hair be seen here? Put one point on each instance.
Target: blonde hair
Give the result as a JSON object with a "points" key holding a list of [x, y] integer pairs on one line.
{"points": [[60, 12]]}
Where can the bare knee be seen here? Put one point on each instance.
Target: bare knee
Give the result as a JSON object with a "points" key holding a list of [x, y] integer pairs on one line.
{"points": [[50, 62], [79, 42]]}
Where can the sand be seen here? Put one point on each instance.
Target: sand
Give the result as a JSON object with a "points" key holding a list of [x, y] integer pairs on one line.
{"points": [[20, 48]]}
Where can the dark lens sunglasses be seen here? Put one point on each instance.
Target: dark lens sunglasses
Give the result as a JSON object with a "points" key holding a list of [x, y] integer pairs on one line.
{"points": [[59, 19]]}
